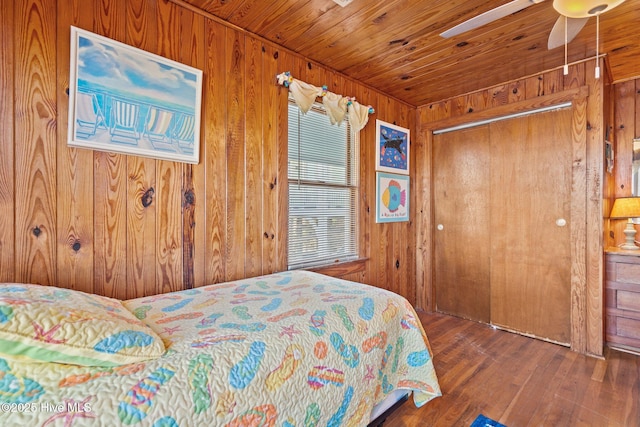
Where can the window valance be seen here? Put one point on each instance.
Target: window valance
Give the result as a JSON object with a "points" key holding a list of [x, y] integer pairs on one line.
{"points": [[336, 106]]}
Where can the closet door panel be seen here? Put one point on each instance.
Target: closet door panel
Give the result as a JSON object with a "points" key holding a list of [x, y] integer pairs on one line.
{"points": [[462, 226], [530, 239]]}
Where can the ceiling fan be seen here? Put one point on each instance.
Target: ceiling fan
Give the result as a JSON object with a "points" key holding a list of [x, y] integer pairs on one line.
{"points": [[574, 14]]}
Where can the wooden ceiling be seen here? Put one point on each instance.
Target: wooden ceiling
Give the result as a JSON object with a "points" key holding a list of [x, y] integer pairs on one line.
{"points": [[395, 47]]}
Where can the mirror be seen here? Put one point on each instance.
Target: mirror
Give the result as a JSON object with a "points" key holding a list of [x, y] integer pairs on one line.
{"points": [[635, 169]]}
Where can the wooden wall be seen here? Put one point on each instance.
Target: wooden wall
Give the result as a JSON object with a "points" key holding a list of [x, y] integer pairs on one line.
{"points": [[626, 97], [587, 293], [74, 217]]}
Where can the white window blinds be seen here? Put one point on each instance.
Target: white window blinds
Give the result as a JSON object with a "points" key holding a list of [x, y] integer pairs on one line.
{"points": [[323, 189]]}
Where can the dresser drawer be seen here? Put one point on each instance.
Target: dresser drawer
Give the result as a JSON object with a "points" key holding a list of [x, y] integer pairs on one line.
{"points": [[627, 300], [627, 273], [628, 328], [622, 301]]}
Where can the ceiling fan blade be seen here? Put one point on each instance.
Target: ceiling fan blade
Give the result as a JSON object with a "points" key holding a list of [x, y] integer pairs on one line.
{"points": [[489, 16], [574, 25]]}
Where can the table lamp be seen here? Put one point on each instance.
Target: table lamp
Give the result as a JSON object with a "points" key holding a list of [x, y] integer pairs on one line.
{"points": [[627, 208]]}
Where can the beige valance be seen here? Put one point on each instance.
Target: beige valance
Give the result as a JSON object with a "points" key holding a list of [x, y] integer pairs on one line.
{"points": [[337, 106]]}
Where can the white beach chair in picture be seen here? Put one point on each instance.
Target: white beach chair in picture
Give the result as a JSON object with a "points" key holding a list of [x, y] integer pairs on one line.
{"points": [[157, 129], [123, 124], [88, 115], [184, 132]]}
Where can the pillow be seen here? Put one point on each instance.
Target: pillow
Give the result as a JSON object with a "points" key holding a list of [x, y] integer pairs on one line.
{"points": [[49, 324]]}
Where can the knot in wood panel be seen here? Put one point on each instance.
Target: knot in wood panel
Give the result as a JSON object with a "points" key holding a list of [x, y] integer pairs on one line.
{"points": [[147, 197], [189, 198], [380, 18]]}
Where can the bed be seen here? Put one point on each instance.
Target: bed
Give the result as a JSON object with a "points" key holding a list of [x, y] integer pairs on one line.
{"points": [[290, 349]]}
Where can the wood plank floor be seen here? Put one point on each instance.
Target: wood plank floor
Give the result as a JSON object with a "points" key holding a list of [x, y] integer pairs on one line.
{"points": [[520, 381]]}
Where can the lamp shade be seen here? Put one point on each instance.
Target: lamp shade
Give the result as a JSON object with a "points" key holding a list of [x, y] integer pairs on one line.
{"points": [[584, 8], [626, 207]]}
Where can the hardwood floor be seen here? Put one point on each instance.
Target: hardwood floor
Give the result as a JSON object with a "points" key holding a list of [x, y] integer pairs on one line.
{"points": [[520, 381]]}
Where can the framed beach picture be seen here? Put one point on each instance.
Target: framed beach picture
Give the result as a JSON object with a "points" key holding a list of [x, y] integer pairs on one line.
{"points": [[392, 197], [392, 148], [125, 100]]}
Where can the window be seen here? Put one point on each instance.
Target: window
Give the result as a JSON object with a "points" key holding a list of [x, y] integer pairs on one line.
{"points": [[323, 189]]}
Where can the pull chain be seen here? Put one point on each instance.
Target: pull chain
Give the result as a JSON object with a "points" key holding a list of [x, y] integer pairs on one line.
{"points": [[598, 46], [566, 42]]}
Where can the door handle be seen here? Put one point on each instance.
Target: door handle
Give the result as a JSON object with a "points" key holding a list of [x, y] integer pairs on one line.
{"points": [[561, 222], [440, 227]]}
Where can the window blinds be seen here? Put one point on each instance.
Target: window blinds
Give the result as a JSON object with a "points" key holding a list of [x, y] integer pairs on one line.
{"points": [[323, 189]]}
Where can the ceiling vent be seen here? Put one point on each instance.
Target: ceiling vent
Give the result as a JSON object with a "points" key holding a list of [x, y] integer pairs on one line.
{"points": [[343, 3]]}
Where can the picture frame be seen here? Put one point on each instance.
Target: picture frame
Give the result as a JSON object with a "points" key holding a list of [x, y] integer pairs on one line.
{"points": [[125, 100], [392, 197], [392, 148]]}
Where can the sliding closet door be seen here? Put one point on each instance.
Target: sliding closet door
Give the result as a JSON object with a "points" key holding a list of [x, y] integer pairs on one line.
{"points": [[530, 212], [462, 185]]}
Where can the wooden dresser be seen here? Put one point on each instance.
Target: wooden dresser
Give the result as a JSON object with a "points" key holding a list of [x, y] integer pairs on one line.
{"points": [[622, 299]]}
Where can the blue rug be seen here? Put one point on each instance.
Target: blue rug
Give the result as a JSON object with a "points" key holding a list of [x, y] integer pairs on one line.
{"points": [[483, 421]]}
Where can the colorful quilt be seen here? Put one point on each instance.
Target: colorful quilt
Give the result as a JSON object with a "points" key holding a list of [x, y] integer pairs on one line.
{"points": [[289, 349]]}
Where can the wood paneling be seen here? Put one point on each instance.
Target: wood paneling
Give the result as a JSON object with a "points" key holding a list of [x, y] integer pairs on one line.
{"points": [[7, 149], [35, 128], [75, 262], [142, 32], [626, 127], [395, 46], [193, 184], [235, 250], [599, 111], [214, 157], [254, 154], [127, 226], [110, 183], [534, 91], [110, 209], [271, 163], [170, 208]]}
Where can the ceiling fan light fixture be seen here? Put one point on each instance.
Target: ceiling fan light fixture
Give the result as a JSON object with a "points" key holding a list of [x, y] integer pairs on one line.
{"points": [[584, 8]]}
